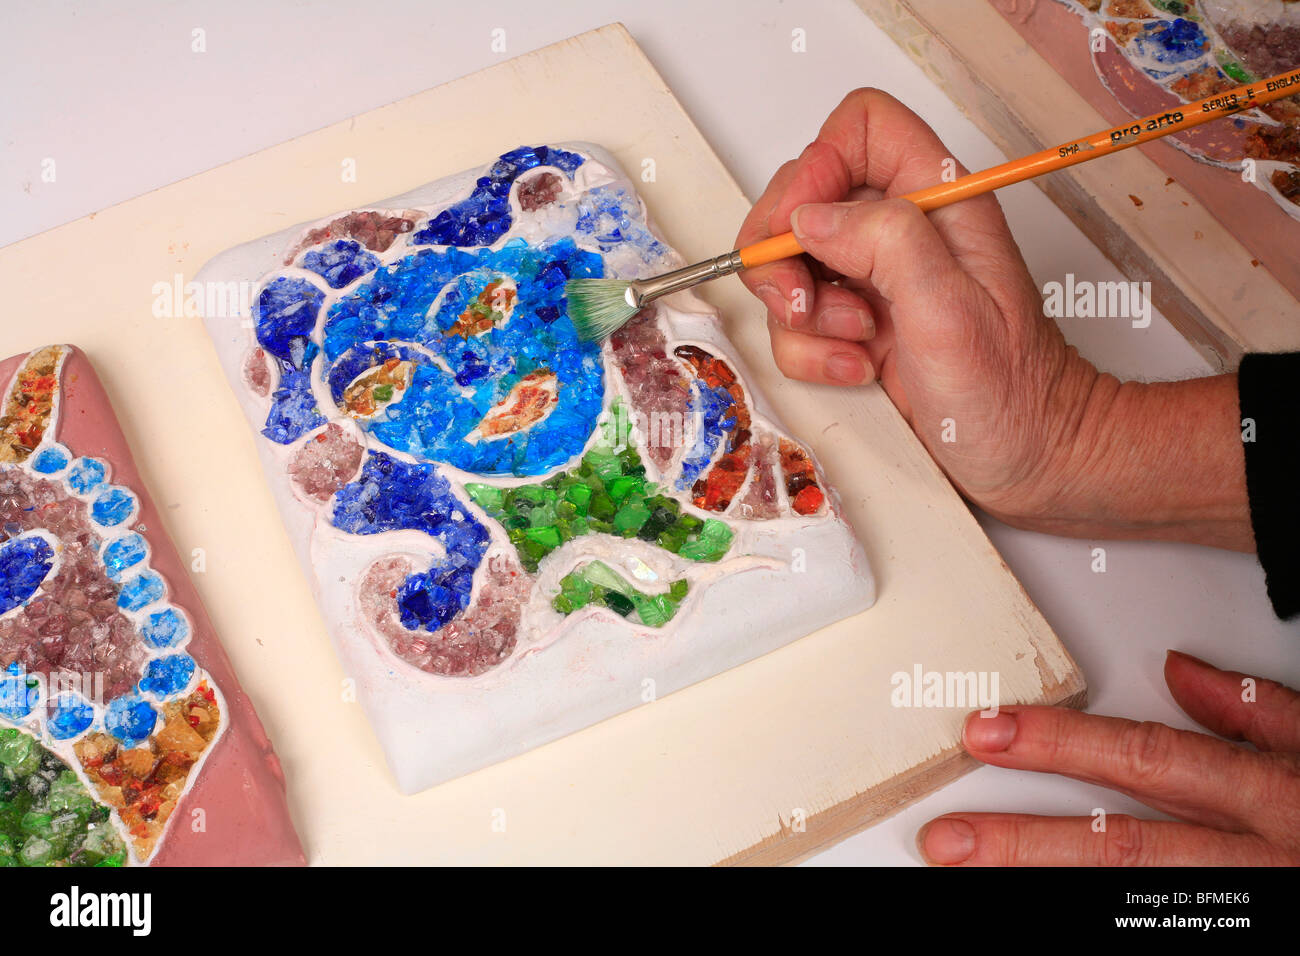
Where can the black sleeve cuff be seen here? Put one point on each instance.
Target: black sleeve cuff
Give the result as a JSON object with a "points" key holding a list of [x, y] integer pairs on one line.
{"points": [[1268, 387]]}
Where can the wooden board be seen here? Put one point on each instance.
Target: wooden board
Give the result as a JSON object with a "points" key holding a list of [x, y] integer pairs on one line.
{"points": [[722, 771], [1205, 281]]}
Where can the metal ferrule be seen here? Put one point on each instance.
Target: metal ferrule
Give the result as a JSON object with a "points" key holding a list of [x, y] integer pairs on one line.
{"points": [[642, 291]]}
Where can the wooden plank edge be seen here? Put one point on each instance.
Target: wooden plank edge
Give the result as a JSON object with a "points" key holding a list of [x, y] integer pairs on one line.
{"points": [[870, 807]]}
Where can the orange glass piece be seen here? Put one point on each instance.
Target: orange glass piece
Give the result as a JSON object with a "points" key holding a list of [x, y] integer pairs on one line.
{"points": [[529, 402]]}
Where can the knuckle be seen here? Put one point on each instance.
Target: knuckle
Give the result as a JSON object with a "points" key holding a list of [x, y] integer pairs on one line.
{"points": [[1057, 742], [894, 223], [1279, 794], [1124, 841], [1008, 841], [1146, 752]]}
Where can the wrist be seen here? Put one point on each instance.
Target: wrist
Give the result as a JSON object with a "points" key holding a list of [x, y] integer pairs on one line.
{"points": [[1160, 461]]}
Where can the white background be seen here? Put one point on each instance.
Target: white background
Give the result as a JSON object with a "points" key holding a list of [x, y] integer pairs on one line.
{"points": [[113, 93]]}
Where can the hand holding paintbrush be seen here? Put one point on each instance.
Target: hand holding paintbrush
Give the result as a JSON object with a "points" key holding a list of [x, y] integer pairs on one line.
{"points": [[942, 307], [598, 307]]}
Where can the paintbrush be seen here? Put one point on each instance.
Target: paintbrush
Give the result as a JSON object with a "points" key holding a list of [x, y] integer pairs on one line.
{"points": [[599, 307]]}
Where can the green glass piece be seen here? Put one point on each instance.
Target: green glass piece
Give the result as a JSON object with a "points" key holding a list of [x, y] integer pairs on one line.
{"points": [[542, 516], [656, 611], [673, 539], [15, 746], [618, 603], [546, 536], [486, 497], [711, 544], [46, 816], [624, 485], [1234, 69], [602, 506], [630, 518], [598, 583], [579, 495], [37, 851]]}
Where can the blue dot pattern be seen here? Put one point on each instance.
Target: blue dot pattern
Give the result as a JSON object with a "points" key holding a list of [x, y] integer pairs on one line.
{"points": [[71, 716], [484, 217], [19, 694], [122, 553], [51, 460], [392, 495], [87, 474], [24, 563], [141, 591], [27, 560], [165, 628], [443, 405], [130, 718], [164, 676], [340, 263], [113, 507]]}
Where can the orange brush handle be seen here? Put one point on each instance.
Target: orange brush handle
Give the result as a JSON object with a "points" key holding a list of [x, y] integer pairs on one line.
{"points": [[1067, 154]]}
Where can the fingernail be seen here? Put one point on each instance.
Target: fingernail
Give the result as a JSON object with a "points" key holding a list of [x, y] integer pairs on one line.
{"points": [[945, 842], [846, 369], [817, 220], [990, 734], [843, 323]]}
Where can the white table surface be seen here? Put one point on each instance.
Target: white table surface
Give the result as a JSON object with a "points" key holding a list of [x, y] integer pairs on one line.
{"points": [[116, 97]]}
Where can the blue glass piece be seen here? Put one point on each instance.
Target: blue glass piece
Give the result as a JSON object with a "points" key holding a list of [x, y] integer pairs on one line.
{"points": [[717, 416], [24, 563], [446, 401], [19, 692], [165, 676], [51, 459], [612, 216], [392, 495], [87, 474], [125, 552], [130, 719], [141, 591], [484, 217], [112, 507], [165, 628], [286, 314], [71, 716], [293, 406], [340, 263], [1171, 43]]}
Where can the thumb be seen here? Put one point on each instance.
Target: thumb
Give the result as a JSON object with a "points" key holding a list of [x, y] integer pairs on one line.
{"points": [[889, 241]]}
